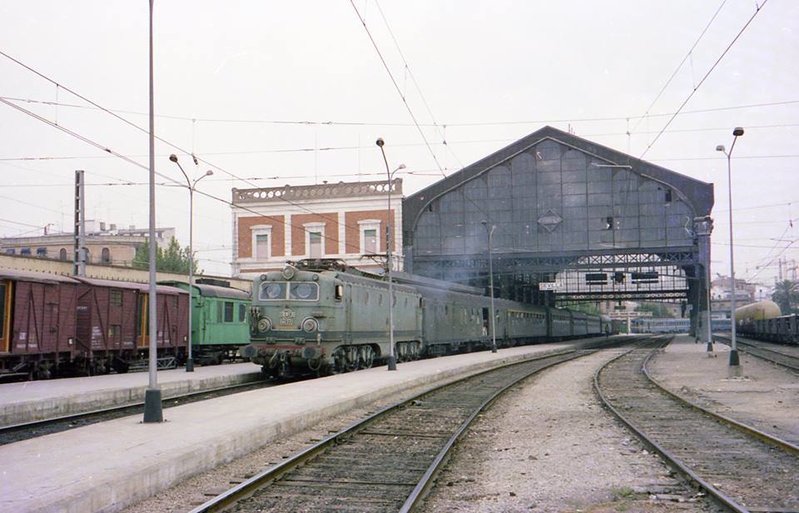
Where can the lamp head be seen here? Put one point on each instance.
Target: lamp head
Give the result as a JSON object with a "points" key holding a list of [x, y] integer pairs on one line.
{"points": [[380, 142], [173, 158], [739, 131], [401, 166], [209, 173], [720, 147]]}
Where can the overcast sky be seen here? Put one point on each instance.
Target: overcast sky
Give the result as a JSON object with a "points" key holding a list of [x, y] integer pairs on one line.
{"points": [[268, 93]]}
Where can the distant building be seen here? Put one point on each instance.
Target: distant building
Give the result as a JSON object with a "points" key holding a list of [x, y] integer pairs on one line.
{"points": [[346, 221], [105, 244], [745, 293]]}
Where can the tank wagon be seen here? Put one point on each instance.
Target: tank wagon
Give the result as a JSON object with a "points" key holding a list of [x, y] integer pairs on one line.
{"points": [[763, 320], [54, 326], [320, 316], [219, 320], [757, 311]]}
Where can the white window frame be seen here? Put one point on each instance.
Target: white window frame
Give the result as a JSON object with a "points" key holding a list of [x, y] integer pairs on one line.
{"points": [[314, 228], [261, 229], [371, 224]]}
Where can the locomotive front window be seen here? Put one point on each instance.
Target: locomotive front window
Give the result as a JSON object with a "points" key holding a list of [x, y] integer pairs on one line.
{"points": [[272, 290], [298, 291], [304, 291]]}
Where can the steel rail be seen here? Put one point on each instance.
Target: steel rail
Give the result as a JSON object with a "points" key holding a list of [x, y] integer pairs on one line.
{"points": [[744, 428], [270, 475], [670, 457], [785, 360]]}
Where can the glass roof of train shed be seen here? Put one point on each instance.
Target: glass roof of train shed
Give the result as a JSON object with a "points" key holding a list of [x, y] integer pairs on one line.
{"points": [[572, 221]]}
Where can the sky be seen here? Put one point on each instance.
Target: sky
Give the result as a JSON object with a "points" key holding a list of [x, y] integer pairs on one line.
{"points": [[268, 93]]}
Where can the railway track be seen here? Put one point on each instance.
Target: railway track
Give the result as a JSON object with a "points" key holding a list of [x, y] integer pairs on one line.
{"points": [[743, 468], [384, 463], [763, 350], [27, 430]]}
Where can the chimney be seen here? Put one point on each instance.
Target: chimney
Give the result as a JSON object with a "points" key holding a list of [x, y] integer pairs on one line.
{"points": [[102, 226]]}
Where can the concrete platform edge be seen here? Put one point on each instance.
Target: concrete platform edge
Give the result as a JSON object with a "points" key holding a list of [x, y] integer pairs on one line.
{"points": [[141, 481]]}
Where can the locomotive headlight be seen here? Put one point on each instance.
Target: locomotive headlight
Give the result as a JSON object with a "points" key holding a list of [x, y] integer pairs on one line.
{"points": [[264, 324], [310, 325]]}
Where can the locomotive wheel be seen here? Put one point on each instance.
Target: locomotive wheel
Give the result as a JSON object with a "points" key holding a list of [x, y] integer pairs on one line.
{"points": [[367, 357], [353, 359]]}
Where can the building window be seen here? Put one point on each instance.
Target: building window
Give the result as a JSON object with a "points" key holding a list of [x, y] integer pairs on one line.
{"points": [[25, 251], [62, 255], [106, 256], [262, 246], [370, 241], [41, 252], [370, 236], [261, 242], [314, 239], [11, 251], [315, 244]]}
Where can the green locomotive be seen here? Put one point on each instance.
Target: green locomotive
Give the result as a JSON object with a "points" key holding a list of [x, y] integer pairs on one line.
{"points": [[321, 316]]}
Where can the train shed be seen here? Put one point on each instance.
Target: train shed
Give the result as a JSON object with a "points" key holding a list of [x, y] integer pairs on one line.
{"points": [[566, 220]]}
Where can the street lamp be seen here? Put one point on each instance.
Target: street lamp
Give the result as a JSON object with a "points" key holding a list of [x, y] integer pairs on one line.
{"points": [[392, 357], [490, 232], [153, 406], [191, 186], [735, 363]]}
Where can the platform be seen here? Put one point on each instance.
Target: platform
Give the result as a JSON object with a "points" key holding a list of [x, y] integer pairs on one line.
{"points": [[107, 466], [38, 400]]}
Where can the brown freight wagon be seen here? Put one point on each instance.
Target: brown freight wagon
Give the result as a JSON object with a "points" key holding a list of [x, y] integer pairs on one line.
{"points": [[113, 324], [56, 326], [37, 330]]}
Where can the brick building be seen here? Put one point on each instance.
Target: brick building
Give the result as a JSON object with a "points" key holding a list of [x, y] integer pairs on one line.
{"points": [[342, 220]]}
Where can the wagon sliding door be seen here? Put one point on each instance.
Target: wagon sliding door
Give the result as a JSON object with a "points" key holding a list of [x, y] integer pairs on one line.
{"points": [[5, 311]]}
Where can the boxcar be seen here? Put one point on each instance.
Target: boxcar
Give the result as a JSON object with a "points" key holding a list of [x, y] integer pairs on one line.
{"points": [[37, 331], [56, 326], [113, 320]]}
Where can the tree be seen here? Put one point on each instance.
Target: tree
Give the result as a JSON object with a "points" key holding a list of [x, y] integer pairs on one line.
{"points": [[786, 294], [173, 259]]}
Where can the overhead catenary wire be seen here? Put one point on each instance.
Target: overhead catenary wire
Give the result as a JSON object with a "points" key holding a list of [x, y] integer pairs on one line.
{"points": [[406, 145], [397, 87], [129, 160], [679, 66], [758, 8], [416, 85], [464, 124]]}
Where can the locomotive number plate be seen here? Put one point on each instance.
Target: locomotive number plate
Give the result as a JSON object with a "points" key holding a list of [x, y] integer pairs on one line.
{"points": [[287, 318]]}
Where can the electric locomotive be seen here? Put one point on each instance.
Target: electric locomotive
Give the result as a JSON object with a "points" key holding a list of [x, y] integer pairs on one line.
{"points": [[320, 316]]}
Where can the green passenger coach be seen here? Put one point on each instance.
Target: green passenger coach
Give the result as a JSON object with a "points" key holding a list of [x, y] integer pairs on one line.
{"points": [[219, 318]]}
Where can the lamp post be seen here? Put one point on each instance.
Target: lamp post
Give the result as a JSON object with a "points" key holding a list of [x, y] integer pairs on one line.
{"points": [[153, 406], [490, 232], [392, 357], [191, 186], [735, 363]]}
